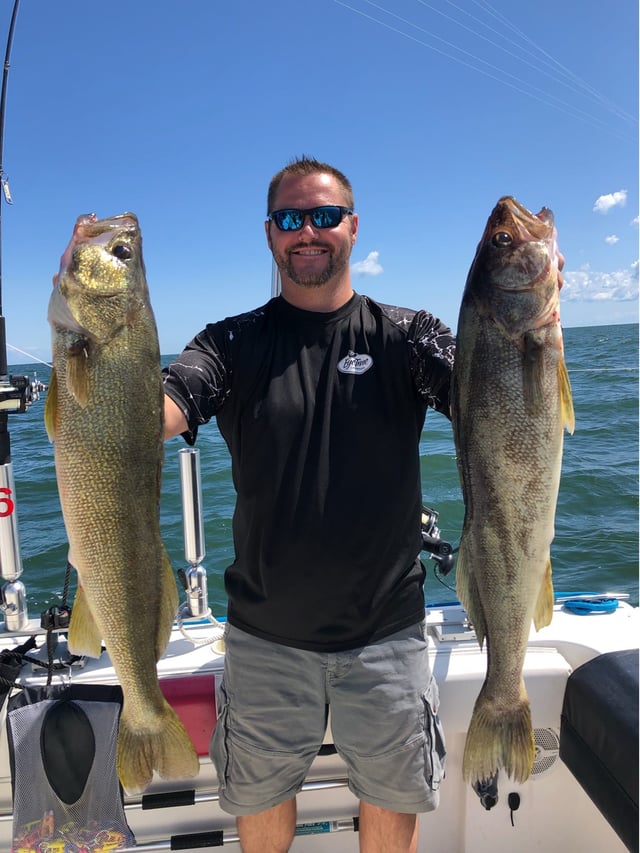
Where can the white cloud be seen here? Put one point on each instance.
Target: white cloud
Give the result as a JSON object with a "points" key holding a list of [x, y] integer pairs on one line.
{"points": [[369, 266], [612, 239], [604, 203], [587, 285], [636, 221]]}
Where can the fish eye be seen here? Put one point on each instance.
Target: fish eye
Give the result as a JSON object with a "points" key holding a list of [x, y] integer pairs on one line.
{"points": [[502, 239], [122, 252]]}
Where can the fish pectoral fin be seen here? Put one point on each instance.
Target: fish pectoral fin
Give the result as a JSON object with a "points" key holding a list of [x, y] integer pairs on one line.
{"points": [[168, 605], [51, 406], [467, 589], [84, 636], [533, 373], [78, 371], [543, 612], [566, 398]]}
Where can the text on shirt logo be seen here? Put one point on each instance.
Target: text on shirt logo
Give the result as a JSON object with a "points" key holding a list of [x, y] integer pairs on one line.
{"points": [[355, 363]]}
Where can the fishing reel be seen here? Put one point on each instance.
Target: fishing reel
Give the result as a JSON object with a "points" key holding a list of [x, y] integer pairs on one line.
{"points": [[15, 393], [439, 550]]}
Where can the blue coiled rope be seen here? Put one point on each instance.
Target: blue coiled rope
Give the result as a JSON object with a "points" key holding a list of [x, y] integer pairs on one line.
{"points": [[587, 603]]}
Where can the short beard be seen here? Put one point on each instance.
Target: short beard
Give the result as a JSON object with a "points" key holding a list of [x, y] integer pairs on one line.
{"points": [[337, 264]]}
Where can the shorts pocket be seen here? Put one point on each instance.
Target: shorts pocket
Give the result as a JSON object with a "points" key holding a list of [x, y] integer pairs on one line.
{"points": [[435, 749], [218, 748]]}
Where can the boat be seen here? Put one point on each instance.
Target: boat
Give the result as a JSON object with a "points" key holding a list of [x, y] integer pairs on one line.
{"points": [[581, 673]]}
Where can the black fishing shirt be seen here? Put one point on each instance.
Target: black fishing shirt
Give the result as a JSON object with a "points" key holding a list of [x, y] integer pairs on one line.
{"points": [[322, 414]]}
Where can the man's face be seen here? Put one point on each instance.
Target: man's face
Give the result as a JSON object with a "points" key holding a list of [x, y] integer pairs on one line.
{"points": [[311, 256]]}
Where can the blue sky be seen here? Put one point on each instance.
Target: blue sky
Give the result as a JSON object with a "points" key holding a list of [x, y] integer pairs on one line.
{"points": [[182, 111]]}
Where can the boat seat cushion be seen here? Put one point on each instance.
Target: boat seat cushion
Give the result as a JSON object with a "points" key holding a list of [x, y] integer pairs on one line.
{"points": [[599, 737]]}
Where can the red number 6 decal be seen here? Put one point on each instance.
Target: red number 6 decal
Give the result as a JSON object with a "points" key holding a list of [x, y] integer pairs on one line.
{"points": [[6, 503]]}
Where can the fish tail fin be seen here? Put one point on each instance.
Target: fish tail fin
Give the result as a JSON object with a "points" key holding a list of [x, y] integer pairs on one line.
{"points": [[499, 737], [51, 406], [566, 398], [84, 636], [543, 612], [467, 590], [168, 605], [165, 747]]}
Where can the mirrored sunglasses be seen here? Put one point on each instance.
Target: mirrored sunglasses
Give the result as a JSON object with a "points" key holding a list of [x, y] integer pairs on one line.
{"points": [[292, 218]]}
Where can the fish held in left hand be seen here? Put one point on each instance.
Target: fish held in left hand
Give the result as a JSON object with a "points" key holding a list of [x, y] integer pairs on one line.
{"points": [[104, 413], [511, 402]]}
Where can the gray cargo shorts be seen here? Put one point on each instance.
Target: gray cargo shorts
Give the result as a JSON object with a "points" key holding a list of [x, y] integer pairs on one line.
{"points": [[272, 714]]}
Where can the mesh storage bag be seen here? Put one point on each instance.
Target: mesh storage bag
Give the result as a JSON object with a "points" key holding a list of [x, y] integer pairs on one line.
{"points": [[62, 746]]}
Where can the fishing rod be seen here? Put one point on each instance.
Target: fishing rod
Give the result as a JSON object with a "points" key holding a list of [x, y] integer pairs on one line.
{"points": [[3, 102], [14, 392]]}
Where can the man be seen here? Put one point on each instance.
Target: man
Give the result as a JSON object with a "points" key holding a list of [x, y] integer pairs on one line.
{"points": [[321, 396]]}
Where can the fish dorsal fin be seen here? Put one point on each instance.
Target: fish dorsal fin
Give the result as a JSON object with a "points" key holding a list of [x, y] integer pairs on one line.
{"points": [[51, 406], [566, 398], [533, 373]]}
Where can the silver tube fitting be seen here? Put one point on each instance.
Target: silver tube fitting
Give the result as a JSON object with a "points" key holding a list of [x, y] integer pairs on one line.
{"points": [[195, 578], [194, 550], [14, 605], [195, 575]]}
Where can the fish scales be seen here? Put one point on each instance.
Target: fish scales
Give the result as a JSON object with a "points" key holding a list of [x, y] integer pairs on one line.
{"points": [[511, 401], [104, 413]]}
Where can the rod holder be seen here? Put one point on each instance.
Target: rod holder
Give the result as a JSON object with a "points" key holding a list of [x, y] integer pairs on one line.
{"points": [[194, 550], [195, 575], [13, 594]]}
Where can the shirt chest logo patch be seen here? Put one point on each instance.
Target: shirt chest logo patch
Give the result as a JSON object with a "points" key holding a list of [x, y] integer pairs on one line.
{"points": [[354, 363]]}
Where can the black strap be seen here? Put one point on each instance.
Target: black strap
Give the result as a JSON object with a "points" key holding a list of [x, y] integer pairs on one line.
{"points": [[11, 662]]}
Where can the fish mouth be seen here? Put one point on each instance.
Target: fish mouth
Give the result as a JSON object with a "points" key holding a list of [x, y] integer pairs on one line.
{"points": [[511, 222], [522, 241], [88, 225], [538, 225], [102, 232]]}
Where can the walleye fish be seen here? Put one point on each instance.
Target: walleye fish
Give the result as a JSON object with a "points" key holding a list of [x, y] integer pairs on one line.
{"points": [[104, 413], [511, 401]]}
